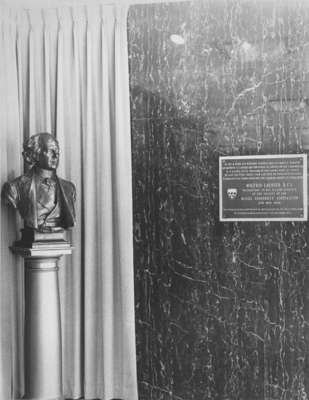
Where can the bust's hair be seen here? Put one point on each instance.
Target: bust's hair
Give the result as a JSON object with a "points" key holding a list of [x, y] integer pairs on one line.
{"points": [[32, 146]]}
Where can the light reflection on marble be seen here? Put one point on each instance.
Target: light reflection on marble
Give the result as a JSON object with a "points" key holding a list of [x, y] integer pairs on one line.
{"points": [[222, 309]]}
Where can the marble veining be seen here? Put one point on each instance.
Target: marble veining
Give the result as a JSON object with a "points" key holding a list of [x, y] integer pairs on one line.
{"points": [[222, 309]]}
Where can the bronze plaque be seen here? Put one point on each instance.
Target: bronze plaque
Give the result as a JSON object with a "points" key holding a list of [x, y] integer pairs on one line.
{"points": [[263, 188]]}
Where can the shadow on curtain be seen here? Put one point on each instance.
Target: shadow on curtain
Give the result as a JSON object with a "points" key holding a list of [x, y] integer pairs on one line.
{"points": [[65, 71]]}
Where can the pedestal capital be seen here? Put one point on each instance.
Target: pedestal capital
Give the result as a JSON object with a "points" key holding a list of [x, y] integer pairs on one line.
{"points": [[46, 250], [36, 244]]}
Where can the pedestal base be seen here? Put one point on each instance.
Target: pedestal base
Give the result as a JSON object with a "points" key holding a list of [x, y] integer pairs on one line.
{"points": [[42, 343]]}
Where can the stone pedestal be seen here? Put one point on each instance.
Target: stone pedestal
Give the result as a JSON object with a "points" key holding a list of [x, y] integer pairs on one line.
{"points": [[42, 345]]}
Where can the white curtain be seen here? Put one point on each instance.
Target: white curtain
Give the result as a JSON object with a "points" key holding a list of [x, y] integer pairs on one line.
{"points": [[65, 71]]}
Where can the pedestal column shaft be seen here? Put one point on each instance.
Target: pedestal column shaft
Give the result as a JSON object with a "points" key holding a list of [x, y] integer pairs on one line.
{"points": [[43, 373]]}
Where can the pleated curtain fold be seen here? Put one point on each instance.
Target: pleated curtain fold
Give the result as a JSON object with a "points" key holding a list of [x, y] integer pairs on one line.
{"points": [[65, 71]]}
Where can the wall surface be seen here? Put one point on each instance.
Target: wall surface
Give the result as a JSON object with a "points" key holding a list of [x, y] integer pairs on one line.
{"points": [[222, 309]]}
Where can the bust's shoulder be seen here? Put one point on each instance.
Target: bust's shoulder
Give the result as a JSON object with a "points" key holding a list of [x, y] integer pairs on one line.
{"points": [[12, 190], [67, 186], [21, 180], [18, 182]]}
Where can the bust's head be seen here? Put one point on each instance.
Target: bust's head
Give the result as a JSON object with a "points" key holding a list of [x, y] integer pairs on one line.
{"points": [[42, 151]]}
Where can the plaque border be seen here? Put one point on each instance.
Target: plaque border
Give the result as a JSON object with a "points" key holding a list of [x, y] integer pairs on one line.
{"points": [[268, 156]]}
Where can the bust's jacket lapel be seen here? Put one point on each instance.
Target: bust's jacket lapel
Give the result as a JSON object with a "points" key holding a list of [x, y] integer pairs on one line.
{"points": [[67, 193], [32, 195], [28, 200]]}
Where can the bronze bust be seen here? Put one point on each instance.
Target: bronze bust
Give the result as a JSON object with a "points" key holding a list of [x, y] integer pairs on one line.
{"points": [[44, 201]]}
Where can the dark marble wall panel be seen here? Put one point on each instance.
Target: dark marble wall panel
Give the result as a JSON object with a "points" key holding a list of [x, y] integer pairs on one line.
{"points": [[222, 309]]}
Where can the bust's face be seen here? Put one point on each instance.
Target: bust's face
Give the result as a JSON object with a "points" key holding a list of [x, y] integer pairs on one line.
{"points": [[48, 157]]}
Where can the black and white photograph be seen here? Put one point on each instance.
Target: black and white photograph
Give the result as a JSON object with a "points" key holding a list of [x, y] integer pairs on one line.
{"points": [[154, 200]]}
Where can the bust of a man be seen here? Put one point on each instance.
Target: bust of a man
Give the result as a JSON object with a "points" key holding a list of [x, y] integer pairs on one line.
{"points": [[44, 201]]}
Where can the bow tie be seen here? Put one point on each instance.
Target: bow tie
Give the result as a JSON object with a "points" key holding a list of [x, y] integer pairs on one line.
{"points": [[50, 182]]}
